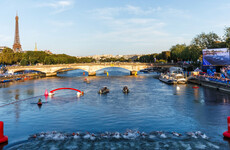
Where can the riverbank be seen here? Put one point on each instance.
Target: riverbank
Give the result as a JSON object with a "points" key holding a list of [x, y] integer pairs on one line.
{"points": [[225, 87], [19, 77]]}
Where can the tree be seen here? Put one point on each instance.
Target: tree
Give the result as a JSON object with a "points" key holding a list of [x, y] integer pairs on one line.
{"points": [[48, 60], [7, 56], [227, 33], [7, 50], [24, 62], [176, 52], [166, 55], [194, 52], [206, 40], [228, 42]]}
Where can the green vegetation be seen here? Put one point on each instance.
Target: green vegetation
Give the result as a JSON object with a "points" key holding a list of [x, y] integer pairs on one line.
{"points": [[122, 59], [8, 57], [192, 52]]}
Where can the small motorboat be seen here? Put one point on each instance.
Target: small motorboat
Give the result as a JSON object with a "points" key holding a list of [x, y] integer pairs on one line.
{"points": [[125, 89], [104, 90]]}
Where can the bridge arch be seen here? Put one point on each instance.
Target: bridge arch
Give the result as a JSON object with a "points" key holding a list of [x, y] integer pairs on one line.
{"points": [[23, 70], [114, 67], [112, 71], [68, 69]]}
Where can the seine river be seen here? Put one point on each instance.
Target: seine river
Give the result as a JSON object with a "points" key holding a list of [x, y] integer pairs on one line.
{"points": [[146, 118]]}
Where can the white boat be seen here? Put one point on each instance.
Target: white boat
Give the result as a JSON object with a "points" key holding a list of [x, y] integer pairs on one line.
{"points": [[174, 76], [167, 79], [179, 78]]}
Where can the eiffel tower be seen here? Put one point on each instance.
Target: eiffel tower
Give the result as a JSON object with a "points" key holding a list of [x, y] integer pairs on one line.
{"points": [[17, 46]]}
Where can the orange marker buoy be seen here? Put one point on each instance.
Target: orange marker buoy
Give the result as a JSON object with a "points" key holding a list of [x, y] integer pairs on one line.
{"points": [[3, 138]]}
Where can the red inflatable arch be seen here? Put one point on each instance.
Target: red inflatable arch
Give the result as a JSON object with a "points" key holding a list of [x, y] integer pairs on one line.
{"points": [[65, 89]]}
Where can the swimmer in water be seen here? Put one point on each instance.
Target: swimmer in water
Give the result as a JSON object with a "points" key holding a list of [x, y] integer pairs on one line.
{"points": [[39, 102]]}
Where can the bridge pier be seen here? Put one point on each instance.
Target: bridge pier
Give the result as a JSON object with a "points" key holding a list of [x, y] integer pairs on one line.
{"points": [[132, 73], [51, 74], [92, 73]]}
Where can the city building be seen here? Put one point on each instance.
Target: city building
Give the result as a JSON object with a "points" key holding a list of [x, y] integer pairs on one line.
{"points": [[101, 57], [48, 52], [2, 48]]}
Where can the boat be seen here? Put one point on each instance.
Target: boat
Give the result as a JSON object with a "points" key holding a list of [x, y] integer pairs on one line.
{"points": [[104, 90], [145, 70], [174, 76], [179, 77], [167, 79], [125, 90], [7, 80]]}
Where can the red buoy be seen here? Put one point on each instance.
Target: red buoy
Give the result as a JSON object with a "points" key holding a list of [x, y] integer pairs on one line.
{"points": [[3, 138], [39, 103], [46, 93], [227, 133], [195, 87]]}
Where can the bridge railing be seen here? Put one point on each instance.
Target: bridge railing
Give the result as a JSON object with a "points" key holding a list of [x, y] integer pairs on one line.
{"points": [[93, 64]]}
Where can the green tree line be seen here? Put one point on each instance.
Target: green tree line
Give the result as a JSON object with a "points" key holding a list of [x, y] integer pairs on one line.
{"points": [[8, 57], [192, 52]]}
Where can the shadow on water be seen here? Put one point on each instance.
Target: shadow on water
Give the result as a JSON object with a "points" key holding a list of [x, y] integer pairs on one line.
{"points": [[113, 71], [212, 96], [3, 145]]}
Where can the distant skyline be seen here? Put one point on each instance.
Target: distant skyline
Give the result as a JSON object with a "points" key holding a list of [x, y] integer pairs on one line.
{"points": [[117, 27]]}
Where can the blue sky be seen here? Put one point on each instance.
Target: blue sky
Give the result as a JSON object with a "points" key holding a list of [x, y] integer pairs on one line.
{"points": [[89, 27]]}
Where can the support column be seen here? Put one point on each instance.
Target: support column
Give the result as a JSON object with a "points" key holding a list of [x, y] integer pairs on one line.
{"points": [[132, 73], [92, 73], [51, 74]]}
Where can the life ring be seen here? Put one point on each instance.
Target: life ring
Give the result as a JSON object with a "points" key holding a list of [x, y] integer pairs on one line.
{"points": [[3, 139]]}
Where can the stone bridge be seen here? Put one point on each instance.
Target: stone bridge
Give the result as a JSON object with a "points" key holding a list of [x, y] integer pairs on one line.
{"points": [[91, 68]]}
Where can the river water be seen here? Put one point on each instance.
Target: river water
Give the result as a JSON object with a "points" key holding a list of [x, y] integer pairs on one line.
{"points": [[143, 119]]}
